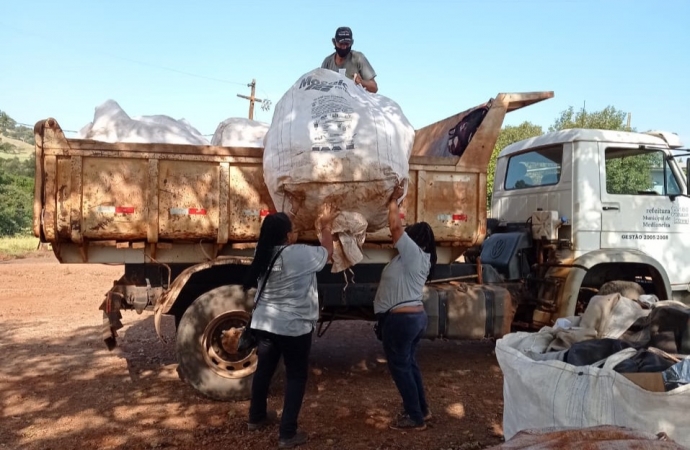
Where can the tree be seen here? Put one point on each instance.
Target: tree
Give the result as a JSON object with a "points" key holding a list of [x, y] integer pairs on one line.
{"points": [[508, 135], [6, 122], [10, 128], [628, 175], [6, 147], [608, 118], [16, 196]]}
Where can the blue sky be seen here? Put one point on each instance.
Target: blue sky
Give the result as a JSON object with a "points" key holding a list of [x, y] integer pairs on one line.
{"points": [[435, 58]]}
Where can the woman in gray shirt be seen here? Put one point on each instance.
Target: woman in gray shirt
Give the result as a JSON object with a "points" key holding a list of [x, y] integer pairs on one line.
{"points": [[284, 317], [399, 299]]}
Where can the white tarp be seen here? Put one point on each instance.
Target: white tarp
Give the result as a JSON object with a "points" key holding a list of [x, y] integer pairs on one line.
{"points": [[240, 132], [331, 141], [552, 393], [112, 124]]}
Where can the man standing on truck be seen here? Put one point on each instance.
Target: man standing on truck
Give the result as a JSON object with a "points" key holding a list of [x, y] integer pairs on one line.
{"points": [[351, 63]]}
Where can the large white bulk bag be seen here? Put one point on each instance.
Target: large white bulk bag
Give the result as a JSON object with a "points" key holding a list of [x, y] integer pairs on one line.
{"points": [[112, 124], [332, 141], [240, 132], [542, 394]]}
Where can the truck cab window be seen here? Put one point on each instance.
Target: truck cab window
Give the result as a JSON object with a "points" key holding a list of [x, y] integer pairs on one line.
{"points": [[536, 168], [639, 172]]}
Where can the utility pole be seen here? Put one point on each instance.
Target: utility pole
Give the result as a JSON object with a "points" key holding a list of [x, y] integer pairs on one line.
{"points": [[251, 98], [628, 125]]}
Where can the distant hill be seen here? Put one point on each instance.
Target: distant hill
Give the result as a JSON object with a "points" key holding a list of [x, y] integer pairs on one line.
{"points": [[15, 140], [9, 148]]}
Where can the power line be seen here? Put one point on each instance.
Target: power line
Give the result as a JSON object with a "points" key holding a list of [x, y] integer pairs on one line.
{"points": [[157, 66]]}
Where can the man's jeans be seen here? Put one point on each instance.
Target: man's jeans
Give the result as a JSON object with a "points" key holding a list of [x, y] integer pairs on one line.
{"points": [[401, 334], [295, 351]]}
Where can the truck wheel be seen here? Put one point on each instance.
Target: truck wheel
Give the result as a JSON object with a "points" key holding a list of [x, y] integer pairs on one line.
{"points": [[206, 345]]}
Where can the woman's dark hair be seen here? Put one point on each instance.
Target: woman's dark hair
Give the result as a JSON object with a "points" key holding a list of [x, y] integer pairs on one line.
{"points": [[422, 234], [274, 232]]}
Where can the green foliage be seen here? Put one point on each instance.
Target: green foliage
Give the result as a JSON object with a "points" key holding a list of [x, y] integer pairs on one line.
{"points": [[6, 147], [16, 180], [608, 118], [17, 246], [16, 199], [632, 174], [509, 135], [10, 128]]}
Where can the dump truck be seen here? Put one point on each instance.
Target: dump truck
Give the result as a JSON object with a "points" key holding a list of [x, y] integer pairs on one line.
{"points": [[183, 221]]}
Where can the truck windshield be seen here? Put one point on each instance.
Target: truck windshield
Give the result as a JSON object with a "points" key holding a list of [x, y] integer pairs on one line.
{"points": [[536, 168], [639, 172]]}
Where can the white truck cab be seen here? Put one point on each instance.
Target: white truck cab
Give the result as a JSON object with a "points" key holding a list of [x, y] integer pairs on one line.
{"points": [[611, 205]]}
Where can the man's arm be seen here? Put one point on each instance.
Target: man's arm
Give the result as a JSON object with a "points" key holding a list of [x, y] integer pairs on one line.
{"points": [[367, 75], [369, 85]]}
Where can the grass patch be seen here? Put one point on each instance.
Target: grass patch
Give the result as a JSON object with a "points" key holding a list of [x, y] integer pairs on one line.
{"points": [[24, 150], [17, 246]]}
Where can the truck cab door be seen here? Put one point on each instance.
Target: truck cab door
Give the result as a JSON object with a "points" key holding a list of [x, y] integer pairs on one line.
{"points": [[643, 208]]}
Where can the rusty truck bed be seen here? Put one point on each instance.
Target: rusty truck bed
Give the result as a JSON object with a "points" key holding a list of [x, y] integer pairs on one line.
{"points": [[128, 202]]}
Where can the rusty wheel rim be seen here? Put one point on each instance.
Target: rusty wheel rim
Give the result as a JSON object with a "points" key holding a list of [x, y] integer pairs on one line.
{"points": [[219, 346]]}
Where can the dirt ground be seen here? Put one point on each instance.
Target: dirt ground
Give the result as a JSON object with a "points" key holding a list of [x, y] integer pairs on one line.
{"points": [[60, 388]]}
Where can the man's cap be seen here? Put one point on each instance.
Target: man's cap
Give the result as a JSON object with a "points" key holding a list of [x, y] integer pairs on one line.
{"points": [[343, 34]]}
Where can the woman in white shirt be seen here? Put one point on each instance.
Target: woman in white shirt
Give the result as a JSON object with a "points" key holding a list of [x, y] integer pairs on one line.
{"points": [[284, 318]]}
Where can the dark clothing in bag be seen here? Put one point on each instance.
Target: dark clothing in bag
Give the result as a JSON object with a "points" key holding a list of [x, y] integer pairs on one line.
{"points": [[667, 327], [644, 361], [589, 352]]}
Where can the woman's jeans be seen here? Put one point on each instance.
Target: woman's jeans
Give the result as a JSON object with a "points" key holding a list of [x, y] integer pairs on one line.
{"points": [[295, 352], [401, 335]]}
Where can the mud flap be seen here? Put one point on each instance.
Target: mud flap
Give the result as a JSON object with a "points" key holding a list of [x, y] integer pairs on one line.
{"points": [[111, 318]]}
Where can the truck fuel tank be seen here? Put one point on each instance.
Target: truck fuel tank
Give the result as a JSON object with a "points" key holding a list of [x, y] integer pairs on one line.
{"points": [[467, 311]]}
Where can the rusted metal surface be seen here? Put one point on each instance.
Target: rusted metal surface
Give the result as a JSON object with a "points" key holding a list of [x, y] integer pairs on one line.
{"points": [[114, 200], [223, 203], [75, 198], [249, 201], [38, 179], [450, 203], [54, 141], [432, 140], [188, 194], [49, 216], [64, 189]]}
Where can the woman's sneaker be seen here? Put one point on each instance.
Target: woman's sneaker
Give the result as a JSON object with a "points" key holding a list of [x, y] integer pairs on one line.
{"points": [[298, 439], [404, 423], [427, 417], [271, 417]]}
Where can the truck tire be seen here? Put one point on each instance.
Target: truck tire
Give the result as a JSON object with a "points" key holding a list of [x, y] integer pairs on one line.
{"points": [[628, 289], [206, 345]]}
